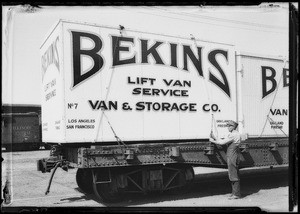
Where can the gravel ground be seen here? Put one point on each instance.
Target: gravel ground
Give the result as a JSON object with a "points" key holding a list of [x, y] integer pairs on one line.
{"points": [[266, 189]]}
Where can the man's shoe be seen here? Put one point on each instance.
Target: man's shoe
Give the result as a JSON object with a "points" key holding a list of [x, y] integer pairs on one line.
{"points": [[234, 197]]}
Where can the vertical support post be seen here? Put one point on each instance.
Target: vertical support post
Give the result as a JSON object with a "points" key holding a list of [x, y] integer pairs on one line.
{"points": [[239, 69], [293, 104]]}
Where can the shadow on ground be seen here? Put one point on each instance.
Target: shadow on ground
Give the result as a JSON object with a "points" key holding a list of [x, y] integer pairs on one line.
{"points": [[250, 184]]}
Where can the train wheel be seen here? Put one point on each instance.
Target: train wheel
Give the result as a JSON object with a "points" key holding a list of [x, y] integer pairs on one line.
{"points": [[189, 176], [178, 179], [105, 186], [84, 180]]}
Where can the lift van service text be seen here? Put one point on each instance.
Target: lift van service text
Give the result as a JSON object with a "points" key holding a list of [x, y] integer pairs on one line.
{"points": [[149, 90], [164, 106]]}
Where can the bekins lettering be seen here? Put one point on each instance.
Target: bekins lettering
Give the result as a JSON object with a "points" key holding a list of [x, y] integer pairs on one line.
{"points": [[50, 57], [122, 44], [271, 79]]}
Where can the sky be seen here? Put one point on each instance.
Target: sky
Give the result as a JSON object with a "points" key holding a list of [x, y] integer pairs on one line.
{"points": [[260, 30]]}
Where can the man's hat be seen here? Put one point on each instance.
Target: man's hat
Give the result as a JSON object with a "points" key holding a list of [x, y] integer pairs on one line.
{"points": [[232, 123]]}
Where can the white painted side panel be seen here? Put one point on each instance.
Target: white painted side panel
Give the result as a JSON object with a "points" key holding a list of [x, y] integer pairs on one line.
{"points": [[117, 84], [265, 109], [52, 87]]}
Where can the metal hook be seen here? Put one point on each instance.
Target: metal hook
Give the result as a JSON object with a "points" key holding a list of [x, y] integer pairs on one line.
{"points": [[192, 37], [121, 28]]}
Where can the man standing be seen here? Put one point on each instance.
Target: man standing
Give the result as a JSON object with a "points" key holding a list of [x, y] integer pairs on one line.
{"points": [[233, 141]]}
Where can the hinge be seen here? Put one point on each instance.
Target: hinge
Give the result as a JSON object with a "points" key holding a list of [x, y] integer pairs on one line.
{"points": [[241, 70], [273, 147], [244, 147], [242, 121], [209, 150]]}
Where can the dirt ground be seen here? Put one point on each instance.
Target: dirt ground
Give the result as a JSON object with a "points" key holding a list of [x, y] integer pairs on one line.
{"points": [[262, 188]]}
